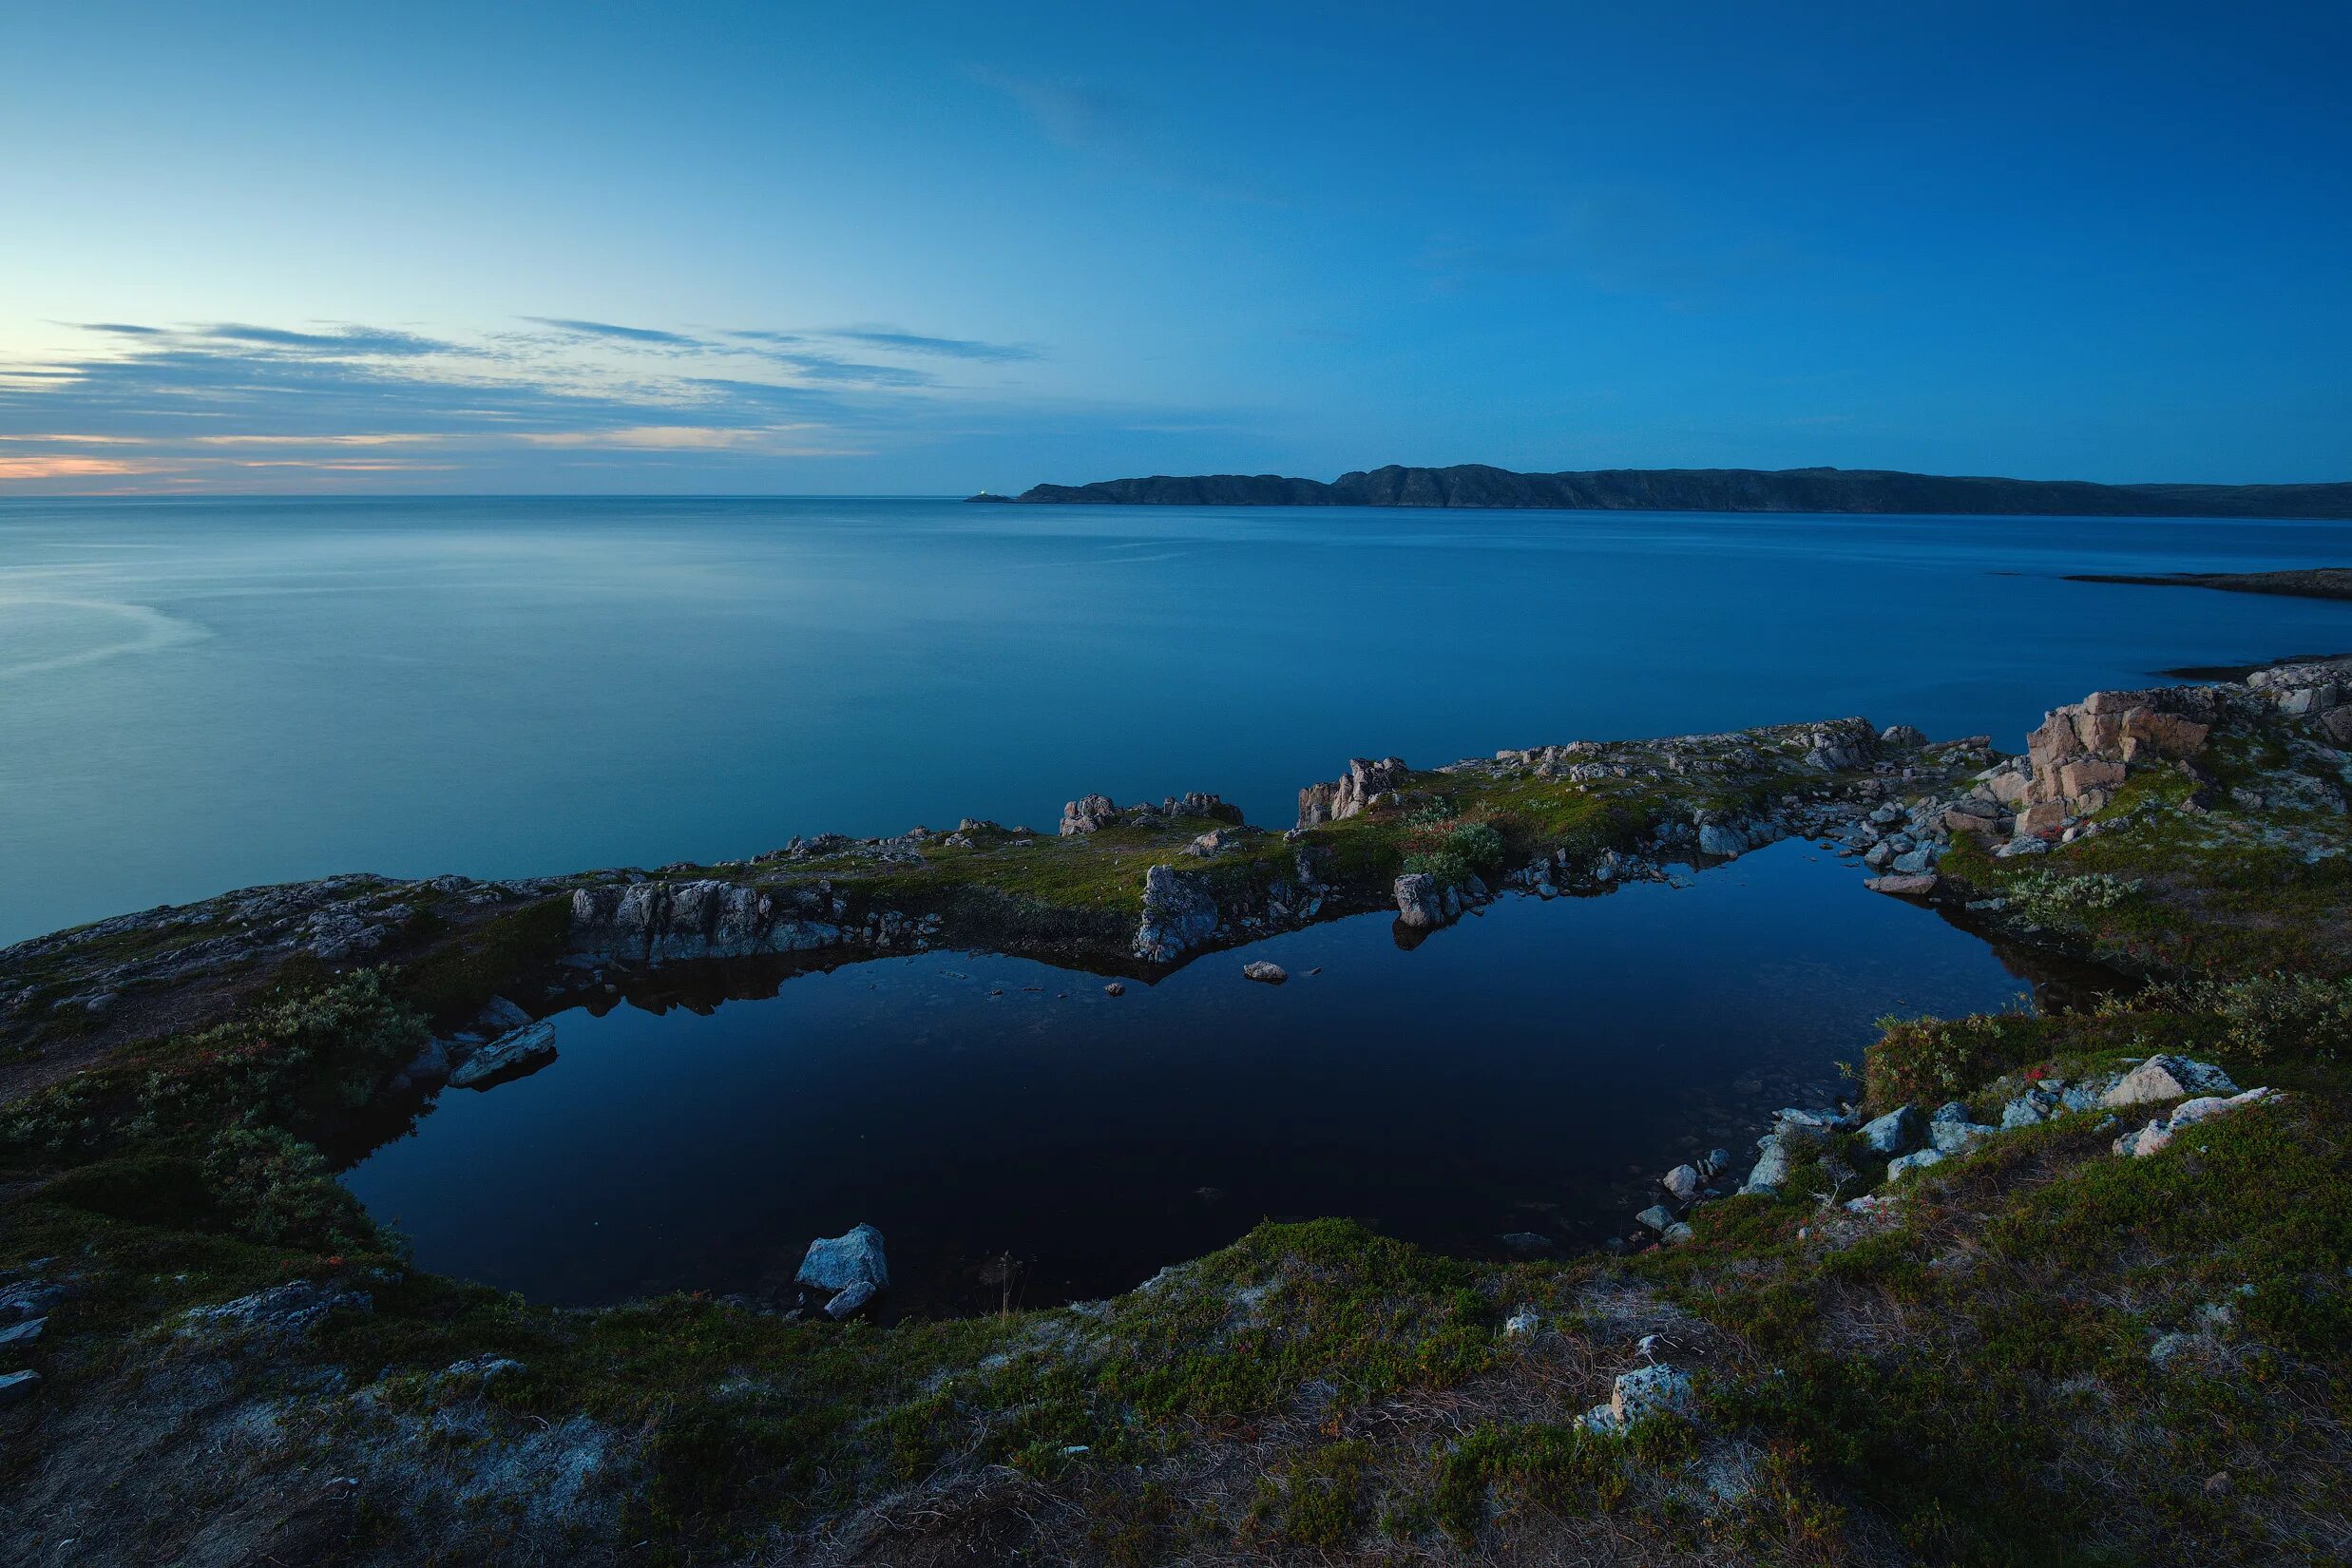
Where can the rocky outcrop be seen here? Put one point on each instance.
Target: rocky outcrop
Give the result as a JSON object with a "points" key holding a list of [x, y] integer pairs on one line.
{"points": [[1180, 914], [1364, 782], [656, 921], [1423, 903], [1093, 812]]}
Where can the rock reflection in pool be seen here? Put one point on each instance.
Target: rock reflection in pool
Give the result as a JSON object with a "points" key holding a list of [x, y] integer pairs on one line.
{"points": [[1532, 1070]]}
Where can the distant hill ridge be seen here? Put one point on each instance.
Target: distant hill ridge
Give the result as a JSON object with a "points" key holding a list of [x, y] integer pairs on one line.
{"points": [[1708, 490]]}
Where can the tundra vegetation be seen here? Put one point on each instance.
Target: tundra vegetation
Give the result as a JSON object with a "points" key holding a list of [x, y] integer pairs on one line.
{"points": [[2038, 1350]]}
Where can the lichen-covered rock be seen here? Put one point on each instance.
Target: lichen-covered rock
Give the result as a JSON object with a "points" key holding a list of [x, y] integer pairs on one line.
{"points": [[1639, 1394]]}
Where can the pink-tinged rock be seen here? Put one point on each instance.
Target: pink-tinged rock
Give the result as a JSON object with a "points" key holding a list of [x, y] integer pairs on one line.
{"points": [[2042, 819], [1904, 886], [2080, 778], [2054, 741], [2169, 734], [1968, 822]]}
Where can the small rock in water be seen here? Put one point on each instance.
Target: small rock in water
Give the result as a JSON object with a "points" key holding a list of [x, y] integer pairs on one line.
{"points": [[1656, 1217], [1682, 1182], [1527, 1242], [17, 1385], [1266, 973], [1114, 988]]}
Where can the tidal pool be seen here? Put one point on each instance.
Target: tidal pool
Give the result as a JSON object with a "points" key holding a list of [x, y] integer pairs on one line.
{"points": [[1532, 1070]]}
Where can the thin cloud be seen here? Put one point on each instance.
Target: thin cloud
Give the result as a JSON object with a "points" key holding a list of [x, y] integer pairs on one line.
{"points": [[947, 348], [624, 335]]}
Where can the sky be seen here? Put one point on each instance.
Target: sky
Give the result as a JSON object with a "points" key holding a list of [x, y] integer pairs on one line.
{"points": [[902, 249]]}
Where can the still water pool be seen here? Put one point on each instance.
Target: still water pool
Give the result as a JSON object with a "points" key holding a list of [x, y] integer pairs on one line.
{"points": [[1533, 1069]]}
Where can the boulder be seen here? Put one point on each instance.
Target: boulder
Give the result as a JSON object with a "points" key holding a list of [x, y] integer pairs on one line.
{"points": [[1920, 885], [2167, 1078], [1957, 1137], [838, 1263], [1683, 1182], [25, 1333], [1420, 903], [1656, 1217], [1086, 814], [1266, 973], [524, 1050], [500, 1016], [1677, 1234], [18, 1386], [1773, 1165], [1896, 1133], [1521, 1322], [1902, 735], [1713, 1163]]}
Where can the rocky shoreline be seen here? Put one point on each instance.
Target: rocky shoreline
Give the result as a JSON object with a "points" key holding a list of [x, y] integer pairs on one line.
{"points": [[2030, 1238]]}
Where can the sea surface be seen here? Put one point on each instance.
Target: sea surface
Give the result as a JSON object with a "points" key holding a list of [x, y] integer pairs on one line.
{"points": [[202, 695], [197, 696]]}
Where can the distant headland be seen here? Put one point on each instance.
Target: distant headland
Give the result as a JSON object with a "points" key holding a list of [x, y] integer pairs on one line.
{"points": [[1704, 490]]}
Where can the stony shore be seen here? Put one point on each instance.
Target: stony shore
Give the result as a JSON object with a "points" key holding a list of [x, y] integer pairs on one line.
{"points": [[2069, 1283]]}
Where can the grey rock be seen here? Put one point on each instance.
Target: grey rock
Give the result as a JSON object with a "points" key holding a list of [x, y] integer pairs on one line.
{"points": [[1957, 1137], [1656, 1217], [1896, 1133], [1265, 973], [294, 1307], [1180, 914], [850, 1300], [1420, 903], [838, 1262], [1771, 1167], [1521, 1322], [1677, 1234], [1915, 1161], [527, 1049], [657, 922], [29, 1299], [1683, 1181], [1713, 1163], [1915, 862], [24, 1332], [18, 1386]]}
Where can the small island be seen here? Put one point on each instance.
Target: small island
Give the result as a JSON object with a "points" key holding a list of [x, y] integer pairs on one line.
{"points": [[2307, 582]]}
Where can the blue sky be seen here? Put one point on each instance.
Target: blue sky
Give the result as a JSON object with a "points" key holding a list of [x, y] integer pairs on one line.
{"points": [[910, 249]]}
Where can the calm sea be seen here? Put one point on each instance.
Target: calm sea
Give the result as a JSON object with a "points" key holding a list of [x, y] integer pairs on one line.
{"points": [[195, 696]]}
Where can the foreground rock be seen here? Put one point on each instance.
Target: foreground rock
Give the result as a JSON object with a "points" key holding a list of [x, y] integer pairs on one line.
{"points": [[852, 1266]]}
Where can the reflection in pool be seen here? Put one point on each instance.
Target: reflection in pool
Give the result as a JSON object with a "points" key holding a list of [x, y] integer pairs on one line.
{"points": [[1533, 1069]]}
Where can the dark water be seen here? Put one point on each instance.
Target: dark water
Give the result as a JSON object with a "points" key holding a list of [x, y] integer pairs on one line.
{"points": [[1535, 1069], [201, 696]]}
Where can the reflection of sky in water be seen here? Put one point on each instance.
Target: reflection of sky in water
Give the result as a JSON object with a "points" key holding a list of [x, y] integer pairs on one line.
{"points": [[1533, 1069], [521, 686]]}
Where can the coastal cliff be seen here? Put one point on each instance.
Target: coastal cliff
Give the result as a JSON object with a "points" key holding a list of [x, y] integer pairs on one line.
{"points": [[1475, 485]]}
